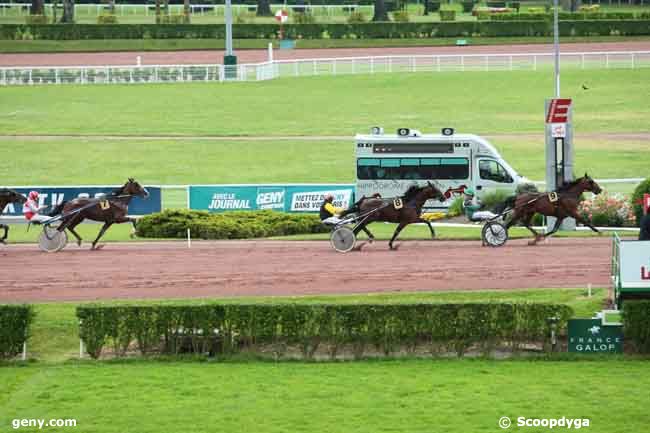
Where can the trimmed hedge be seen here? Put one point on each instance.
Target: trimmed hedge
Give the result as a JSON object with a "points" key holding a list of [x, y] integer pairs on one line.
{"points": [[227, 225], [229, 329], [637, 199], [319, 31], [565, 16], [636, 324], [14, 329]]}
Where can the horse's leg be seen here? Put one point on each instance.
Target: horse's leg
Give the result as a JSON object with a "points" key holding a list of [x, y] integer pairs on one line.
{"points": [[428, 223], [71, 227], [397, 230], [556, 227], [527, 220], [363, 227], [4, 237], [513, 219], [574, 213], [101, 233]]}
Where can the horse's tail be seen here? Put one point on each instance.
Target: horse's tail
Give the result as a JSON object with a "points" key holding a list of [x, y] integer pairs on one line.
{"points": [[58, 209], [508, 203]]}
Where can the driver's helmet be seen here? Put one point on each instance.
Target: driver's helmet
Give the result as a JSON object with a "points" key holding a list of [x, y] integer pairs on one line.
{"points": [[469, 192], [33, 195]]}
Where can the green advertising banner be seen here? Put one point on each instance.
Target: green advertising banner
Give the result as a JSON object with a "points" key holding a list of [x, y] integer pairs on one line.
{"points": [[287, 198], [591, 336]]}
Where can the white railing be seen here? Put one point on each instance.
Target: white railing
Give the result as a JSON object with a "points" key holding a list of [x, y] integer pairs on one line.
{"points": [[125, 10], [311, 67]]}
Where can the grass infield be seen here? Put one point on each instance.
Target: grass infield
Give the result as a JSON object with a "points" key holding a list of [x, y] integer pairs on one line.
{"points": [[477, 102]]}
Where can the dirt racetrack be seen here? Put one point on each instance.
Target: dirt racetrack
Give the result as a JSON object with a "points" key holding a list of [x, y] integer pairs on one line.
{"points": [[261, 268], [257, 56]]}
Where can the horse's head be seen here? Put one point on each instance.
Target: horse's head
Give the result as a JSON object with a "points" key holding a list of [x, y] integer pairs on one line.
{"points": [[431, 191], [590, 185], [132, 187], [11, 196]]}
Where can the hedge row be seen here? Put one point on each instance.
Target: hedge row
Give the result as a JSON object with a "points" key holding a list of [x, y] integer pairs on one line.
{"points": [[14, 329], [568, 16], [216, 329], [319, 31], [228, 225], [636, 324]]}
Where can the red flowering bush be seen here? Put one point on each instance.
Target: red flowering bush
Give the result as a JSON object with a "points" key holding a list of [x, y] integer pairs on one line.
{"points": [[608, 210]]}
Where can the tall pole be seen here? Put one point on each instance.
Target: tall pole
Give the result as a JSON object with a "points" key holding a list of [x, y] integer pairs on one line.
{"points": [[228, 13], [229, 59], [556, 46]]}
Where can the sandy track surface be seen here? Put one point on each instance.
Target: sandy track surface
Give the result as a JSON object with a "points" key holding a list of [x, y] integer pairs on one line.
{"points": [[256, 56], [264, 268]]}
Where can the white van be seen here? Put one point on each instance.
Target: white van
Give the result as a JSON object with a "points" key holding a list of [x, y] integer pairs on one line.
{"points": [[390, 163]]}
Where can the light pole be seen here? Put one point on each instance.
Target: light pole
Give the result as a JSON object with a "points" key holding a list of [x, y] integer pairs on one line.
{"points": [[229, 59], [556, 46]]}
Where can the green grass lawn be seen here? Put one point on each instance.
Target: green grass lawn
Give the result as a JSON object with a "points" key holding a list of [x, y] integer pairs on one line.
{"points": [[183, 161], [485, 102], [385, 396], [55, 332]]}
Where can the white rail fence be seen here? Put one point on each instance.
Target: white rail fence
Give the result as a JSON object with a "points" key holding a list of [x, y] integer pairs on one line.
{"points": [[125, 10], [311, 67]]}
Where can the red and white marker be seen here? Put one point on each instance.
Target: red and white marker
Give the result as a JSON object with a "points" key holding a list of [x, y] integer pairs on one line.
{"points": [[282, 16]]}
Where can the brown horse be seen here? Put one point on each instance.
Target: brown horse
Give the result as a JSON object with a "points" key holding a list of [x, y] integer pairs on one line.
{"points": [[561, 204], [112, 210], [408, 213], [8, 196]]}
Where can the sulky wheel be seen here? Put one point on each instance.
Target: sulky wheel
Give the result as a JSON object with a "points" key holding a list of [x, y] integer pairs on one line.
{"points": [[494, 234], [51, 240], [343, 239]]}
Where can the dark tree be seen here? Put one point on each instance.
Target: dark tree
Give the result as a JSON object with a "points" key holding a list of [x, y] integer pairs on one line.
{"points": [[263, 8], [68, 12], [186, 11], [37, 7], [381, 14], [426, 7]]}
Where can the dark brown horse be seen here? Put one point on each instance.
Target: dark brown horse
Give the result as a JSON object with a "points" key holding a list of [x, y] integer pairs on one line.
{"points": [[408, 213], [8, 196], [112, 210], [561, 204]]}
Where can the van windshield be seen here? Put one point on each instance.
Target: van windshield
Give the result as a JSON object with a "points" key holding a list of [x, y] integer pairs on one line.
{"points": [[492, 170], [412, 168]]}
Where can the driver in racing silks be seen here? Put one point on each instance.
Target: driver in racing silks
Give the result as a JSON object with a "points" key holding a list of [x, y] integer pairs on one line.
{"points": [[31, 209], [329, 214]]}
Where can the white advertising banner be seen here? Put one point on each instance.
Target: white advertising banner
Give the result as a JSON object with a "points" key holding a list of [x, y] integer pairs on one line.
{"points": [[635, 264], [311, 201]]}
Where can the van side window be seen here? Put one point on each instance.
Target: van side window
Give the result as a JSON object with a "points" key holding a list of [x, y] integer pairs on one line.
{"points": [[412, 168], [492, 170]]}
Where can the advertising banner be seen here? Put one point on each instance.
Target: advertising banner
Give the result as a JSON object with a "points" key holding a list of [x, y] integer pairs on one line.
{"points": [[286, 198], [591, 336], [52, 196], [635, 264]]}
